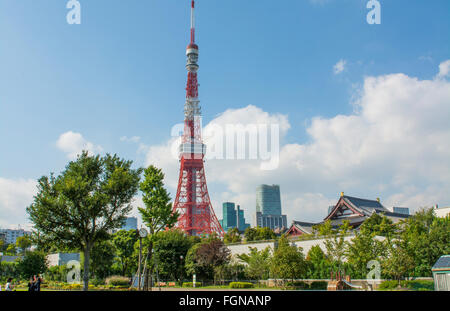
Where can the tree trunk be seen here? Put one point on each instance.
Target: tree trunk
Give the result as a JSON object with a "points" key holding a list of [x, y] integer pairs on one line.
{"points": [[86, 268]]}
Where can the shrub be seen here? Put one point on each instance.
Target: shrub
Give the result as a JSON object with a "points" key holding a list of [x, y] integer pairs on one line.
{"points": [[420, 285], [190, 284], [76, 286], [118, 281], [241, 285], [97, 282], [388, 285], [318, 285]]}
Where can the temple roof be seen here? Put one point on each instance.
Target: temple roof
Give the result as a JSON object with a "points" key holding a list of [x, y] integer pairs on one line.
{"points": [[442, 263], [364, 205]]}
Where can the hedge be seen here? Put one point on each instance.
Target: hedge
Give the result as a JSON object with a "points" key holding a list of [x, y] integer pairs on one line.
{"points": [[241, 285], [418, 285], [190, 284], [318, 285], [118, 281]]}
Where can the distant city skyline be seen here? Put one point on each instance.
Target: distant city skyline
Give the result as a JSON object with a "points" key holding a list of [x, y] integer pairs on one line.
{"points": [[360, 108]]}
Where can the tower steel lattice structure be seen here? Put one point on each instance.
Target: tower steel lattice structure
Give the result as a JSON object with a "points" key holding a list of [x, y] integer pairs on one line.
{"points": [[192, 201]]}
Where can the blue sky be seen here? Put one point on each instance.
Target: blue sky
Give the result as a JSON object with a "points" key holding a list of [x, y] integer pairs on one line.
{"points": [[121, 72]]}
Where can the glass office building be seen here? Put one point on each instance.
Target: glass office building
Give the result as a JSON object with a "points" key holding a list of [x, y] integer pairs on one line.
{"points": [[232, 217], [268, 207]]}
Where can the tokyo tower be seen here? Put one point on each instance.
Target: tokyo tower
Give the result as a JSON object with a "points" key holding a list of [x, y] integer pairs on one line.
{"points": [[192, 201]]}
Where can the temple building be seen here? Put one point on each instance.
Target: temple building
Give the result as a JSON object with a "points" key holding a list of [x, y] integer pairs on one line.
{"points": [[354, 210]]}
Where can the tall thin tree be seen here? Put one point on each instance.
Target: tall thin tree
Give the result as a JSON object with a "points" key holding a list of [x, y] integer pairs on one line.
{"points": [[157, 214]]}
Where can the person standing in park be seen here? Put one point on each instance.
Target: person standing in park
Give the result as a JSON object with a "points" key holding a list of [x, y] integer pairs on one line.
{"points": [[31, 285], [37, 283], [9, 287]]}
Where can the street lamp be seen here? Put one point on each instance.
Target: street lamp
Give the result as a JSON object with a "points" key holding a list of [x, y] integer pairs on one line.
{"points": [[181, 265], [142, 234]]}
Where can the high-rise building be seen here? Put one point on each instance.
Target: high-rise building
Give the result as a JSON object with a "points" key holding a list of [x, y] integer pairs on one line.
{"points": [[268, 207], [268, 200], [10, 235], [233, 218]]}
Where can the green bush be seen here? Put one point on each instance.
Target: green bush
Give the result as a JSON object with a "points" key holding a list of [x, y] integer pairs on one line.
{"points": [[190, 284], [98, 282], [391, 285], [420, 285], [118, 281], [318, 285], [241, 285]]}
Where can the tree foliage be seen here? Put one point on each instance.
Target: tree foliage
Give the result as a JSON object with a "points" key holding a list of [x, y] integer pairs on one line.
{"points": [[258, 263], [157, 214], [259, 234], [232, 236], [79, 207], [23, 242], [317, 263], [288, 261], [203, 257], [171, 248], [102, 258], [32, 263], [123, 242]]}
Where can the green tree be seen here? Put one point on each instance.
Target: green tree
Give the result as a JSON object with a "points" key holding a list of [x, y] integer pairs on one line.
{"points": [[258, 263], [425, 237], [288, 261], [157, 214], [77, 209], [379, 225], [317, 263], [11, 249], [204, 257], [336, 246], [250, 234], [232, 236], [259, 234], [399, 263], [324, 229], [102, 259], [123, 242], [171, 248], [32, 263], [23, 242], [363, 248]]}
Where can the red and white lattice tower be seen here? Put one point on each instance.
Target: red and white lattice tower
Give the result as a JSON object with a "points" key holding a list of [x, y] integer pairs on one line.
{"points": [[192, 201]]}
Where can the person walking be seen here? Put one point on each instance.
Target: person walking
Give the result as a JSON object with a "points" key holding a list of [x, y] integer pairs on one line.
{"points": [[9, 287]]}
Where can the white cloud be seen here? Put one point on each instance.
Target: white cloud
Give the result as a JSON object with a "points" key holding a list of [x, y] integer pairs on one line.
{"points": [[444, 69], [396, 147], [134, 139], [339, 66], [74, 143], [15, 196]]}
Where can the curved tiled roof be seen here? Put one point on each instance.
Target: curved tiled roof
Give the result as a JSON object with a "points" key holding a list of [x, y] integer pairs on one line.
{"points": [[442, 263]]}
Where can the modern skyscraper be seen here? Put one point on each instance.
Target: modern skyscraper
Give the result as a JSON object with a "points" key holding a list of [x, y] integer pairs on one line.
{"points": [[268, 207], [232, 217]]}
